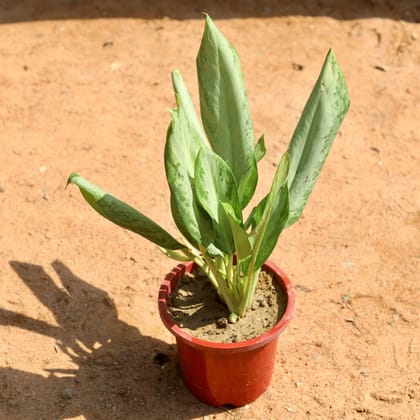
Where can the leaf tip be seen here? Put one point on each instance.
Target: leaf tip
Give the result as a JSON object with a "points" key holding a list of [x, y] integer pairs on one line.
{"points": [[175, 74], [209, 24], [207, 17], [70, 179]]}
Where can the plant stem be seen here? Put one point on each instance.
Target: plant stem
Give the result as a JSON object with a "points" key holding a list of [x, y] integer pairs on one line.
{"points": [[249, 290], [229, 270], [223, 287]]}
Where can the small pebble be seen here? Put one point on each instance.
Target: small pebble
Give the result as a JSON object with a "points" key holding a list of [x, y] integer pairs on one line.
{"points": [[302, 288], [263, 304], [115, 66], [183, 293], [381, 68], [292, 409], [222, 323], [67, 394], [345, 300]]}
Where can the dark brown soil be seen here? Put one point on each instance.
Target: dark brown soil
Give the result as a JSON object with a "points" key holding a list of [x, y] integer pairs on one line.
{"points": [[195, 306]]}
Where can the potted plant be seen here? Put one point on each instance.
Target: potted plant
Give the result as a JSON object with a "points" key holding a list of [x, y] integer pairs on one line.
{"points": [[212, 174]]}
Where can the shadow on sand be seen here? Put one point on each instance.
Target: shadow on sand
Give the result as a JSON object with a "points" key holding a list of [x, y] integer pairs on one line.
{"points": [[117, 373]]}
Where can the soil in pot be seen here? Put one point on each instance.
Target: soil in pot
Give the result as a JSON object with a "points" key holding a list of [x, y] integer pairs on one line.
{"points": [[196, 307]]}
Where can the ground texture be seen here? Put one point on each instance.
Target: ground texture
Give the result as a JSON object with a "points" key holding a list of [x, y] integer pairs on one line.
{"points": [[85, 86]]}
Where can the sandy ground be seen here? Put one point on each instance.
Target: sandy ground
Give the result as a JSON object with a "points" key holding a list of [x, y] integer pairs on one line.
{"points": [[85, 86]]}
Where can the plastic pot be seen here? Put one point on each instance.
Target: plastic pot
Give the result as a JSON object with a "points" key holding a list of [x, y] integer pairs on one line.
{"points": [[230, 374]]}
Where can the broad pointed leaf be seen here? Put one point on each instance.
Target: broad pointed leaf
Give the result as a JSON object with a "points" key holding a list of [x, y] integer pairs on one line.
{"points": [[260, 149], [178, 256], [240, 237], [193, 136], [275, 215], [247, 184], [224, 108], [184, 140], [122, 214], [214, 184], [256, 214], [315, 132]]}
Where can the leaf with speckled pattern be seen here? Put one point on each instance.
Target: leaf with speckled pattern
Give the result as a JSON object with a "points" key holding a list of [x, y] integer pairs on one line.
{"points": [[315, 133], [122, 214], [214, 184], [185, 138], [224, 108]]}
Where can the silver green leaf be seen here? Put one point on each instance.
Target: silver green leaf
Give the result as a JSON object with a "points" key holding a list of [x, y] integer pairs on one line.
{"points": [[224, 108], [215, 184], [260, 149], [184, 139], [256, 214], [315, 132], [123, 215], [275, 213], [240, 236]]}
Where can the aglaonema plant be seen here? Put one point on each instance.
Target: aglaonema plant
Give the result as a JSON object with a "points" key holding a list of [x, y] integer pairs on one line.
{"points": [[212, 173]]}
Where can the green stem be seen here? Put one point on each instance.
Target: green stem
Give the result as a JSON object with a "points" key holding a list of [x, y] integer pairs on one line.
{"points": [[229, 270], [251, 292], [222, 288], [250, 286], [193, 255]]}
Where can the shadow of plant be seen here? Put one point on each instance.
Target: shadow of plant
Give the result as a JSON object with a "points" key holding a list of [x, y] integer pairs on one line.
{"points": [[118, 372]]}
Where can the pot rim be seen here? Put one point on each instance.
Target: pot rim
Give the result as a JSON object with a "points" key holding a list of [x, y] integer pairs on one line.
{"points": [[166, 289]]}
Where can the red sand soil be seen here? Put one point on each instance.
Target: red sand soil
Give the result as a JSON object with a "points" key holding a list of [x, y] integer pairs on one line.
{"points": [[84, 87]]}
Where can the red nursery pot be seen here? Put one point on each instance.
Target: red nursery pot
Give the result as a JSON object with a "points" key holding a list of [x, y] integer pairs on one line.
{"points": [[226, 373]]}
